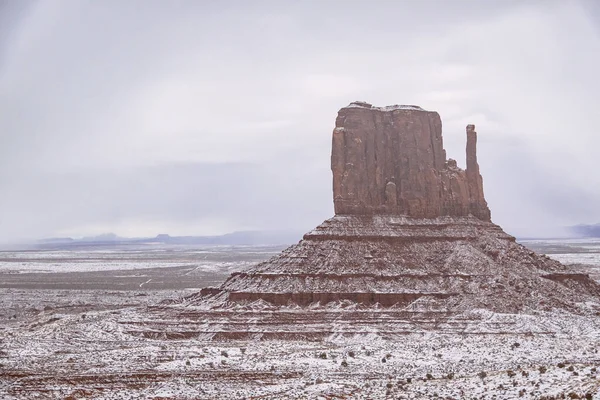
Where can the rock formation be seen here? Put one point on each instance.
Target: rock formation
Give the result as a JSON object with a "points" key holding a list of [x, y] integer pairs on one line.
{"points": [[391, 160], [411, 245]]}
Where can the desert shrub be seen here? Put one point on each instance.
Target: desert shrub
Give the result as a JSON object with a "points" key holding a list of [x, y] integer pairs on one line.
{"points": [[450, 375], [389, 385], [188, 363], [388, 356], [243, 350], [351, 354], [482, 375], [429, 376], [408, 380], [344, 363], [542, 369], [224, 353], [511, 374], [223, 362], [571, 368], [383, 360], [573, 395], [323, 356], [560, 365], [525, 374], [318, 381]]}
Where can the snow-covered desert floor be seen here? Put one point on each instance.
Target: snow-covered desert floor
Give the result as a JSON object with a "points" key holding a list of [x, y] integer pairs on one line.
{"points": [[68, 339]]}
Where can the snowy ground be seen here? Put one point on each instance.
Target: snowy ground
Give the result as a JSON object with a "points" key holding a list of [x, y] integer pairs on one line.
{"points": [[58, 355], [131, 257], [583, 252], [71, 341]]}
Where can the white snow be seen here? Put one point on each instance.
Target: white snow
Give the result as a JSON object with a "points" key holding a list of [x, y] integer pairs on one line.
{"points": [[209, 258], [385, 108]]}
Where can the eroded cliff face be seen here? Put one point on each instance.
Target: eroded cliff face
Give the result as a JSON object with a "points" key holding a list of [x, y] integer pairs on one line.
{"points": [[411, 247], [391, 160]]}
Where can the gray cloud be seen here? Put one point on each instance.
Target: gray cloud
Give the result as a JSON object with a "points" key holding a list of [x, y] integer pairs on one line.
{"points": [[199, 117]]}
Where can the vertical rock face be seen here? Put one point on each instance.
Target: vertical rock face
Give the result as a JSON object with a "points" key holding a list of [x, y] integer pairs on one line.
{"points": [[391, 160], [477, 206]]}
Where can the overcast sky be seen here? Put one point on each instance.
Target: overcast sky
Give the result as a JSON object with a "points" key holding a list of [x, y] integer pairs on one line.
{"points": [[204, 117]]}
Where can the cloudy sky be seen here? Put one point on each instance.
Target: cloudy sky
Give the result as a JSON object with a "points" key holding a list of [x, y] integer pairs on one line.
{"points": [[201, 117]]}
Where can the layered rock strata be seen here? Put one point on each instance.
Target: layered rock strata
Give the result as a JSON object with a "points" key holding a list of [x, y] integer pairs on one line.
{"points": [[453, 263], [411, 245]]}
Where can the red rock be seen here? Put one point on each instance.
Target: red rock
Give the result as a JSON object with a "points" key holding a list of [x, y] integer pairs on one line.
{"points": [[391, 160], [411, 247]]}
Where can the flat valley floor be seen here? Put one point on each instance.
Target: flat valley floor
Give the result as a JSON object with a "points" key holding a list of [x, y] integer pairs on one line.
{"points": [[63, 335]]}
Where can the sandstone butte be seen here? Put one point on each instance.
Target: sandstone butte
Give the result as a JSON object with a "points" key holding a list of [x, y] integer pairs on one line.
{"points": [[411, 247], [391, 161]]}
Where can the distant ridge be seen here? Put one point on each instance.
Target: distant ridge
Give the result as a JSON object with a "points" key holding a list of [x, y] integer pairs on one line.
{"points": [[241, 238], [586, 230]]}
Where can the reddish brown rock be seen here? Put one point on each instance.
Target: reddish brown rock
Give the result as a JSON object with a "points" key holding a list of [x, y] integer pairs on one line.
{"points": [[477, 204], [391, 160], [411, 247]]}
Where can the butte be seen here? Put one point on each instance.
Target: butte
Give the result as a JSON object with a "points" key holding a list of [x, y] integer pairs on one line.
{"points": [[411, 247]]}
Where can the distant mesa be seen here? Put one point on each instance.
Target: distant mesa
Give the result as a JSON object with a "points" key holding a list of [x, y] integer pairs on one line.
{"points": [[105, 237], [411, 246], [590, 231], [243, 238]]}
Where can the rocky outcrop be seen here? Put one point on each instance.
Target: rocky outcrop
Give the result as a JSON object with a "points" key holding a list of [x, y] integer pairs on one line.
{"points": [[411, 247], [391, 160], [477, 204], [397, 260]]}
